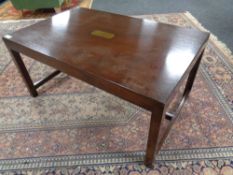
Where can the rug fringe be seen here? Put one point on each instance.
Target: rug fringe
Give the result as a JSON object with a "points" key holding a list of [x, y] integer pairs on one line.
{"points": [[20, 20], [219, 43]]}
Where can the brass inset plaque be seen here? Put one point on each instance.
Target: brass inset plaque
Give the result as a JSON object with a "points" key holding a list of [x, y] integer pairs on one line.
{"points": [[103, 34]]}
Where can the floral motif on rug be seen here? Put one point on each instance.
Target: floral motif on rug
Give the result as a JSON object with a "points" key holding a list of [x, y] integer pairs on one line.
{"points": [[114, 141]]}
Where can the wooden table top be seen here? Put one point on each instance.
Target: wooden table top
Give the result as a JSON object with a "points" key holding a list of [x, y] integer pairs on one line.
{"points": [[135, 55]]}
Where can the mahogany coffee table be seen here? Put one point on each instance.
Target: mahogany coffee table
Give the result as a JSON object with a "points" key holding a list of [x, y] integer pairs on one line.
{"points": [[138, 60]]}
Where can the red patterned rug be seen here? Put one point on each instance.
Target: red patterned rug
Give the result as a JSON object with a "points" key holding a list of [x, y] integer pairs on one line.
{"points": [[74, 128]]}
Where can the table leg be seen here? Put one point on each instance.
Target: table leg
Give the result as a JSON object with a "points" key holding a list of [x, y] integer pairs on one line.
{"points": [[157, 114], [188, 87], [192, 75], [152, 143], [23, 71]]}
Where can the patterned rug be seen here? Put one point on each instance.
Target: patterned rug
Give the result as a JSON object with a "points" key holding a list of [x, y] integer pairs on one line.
{"points": [[7, 10], [74, 128]]}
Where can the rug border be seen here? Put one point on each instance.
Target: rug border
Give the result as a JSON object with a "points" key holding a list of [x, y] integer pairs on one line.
{"points": [[120, 158]]}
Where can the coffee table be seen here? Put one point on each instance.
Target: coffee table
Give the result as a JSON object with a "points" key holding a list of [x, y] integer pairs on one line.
{"points": [[138, 60]]}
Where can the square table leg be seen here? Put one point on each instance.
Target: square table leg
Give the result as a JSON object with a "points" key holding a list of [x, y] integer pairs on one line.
{"points": [[192, 75], [153, 136], [157, 115], [24, 73]]}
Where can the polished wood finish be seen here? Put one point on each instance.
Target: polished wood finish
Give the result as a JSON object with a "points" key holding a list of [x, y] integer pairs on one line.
{"points": [[152, 143], [139, 60]]}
